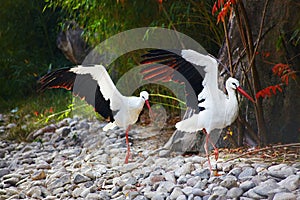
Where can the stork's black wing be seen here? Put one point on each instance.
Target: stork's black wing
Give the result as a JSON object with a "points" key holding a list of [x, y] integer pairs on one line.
{"points": [[178, 70], [81, 85]]}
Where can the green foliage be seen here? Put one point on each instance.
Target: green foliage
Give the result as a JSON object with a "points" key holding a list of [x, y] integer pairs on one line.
{"points": [[27, 43], [104, 18], [35, 112]]}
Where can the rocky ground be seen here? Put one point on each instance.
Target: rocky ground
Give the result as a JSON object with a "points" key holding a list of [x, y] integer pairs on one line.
{"points": [[75, 159]]}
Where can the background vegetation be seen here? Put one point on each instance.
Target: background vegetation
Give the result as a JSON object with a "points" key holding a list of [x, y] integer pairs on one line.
{"points": [[29, 28], [28, 32]]}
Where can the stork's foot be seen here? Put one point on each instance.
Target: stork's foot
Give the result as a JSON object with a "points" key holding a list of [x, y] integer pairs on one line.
{"points": [[128, 155], [216, 152]]}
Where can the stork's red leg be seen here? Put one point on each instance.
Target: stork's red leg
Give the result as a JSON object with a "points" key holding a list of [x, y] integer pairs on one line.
{"points": [[216, 151], [206, 148], [128, 146]]}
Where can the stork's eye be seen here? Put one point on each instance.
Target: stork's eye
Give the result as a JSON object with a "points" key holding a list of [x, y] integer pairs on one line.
{"points": [[234, 84]]}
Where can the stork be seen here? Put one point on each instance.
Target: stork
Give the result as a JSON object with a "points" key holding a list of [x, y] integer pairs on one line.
{"points": [[214, 109], [121, 111]]}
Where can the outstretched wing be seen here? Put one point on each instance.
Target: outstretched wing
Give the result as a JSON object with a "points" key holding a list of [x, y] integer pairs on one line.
{"points": [[106, 85], [179, 69], [81, 85]]}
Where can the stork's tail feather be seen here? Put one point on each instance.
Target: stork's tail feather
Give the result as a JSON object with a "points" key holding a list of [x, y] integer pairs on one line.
{"points": [[109, 126], [188, 125]]}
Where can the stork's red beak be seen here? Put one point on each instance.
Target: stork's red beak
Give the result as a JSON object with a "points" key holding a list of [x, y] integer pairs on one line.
{"points": [[148, 105], [240, 90]]}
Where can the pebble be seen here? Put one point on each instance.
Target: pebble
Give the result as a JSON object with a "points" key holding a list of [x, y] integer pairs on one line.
{"points": [[80, 161]]}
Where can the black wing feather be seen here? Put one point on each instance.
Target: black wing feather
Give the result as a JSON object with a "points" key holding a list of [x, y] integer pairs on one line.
{"points": [[187, 72], [81, 85]]}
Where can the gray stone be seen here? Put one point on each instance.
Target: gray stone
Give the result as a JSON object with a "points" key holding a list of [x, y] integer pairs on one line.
{"points": [[158, 196], [11, 181], [245, 198], [133, 194], [245, 186], [193, 181], [247, 173], [202, 173], [140, 197], [229, 182], [234, 192], [95, 196], [58, 190], [291, 183], [10, 125], [169, 176], [198, 192], [187, 190], [60, 182], [197, 198], [251, 194], [38, 175], [76, 193], [266, 188], [2, 153], [2, 192], [284, 196], [35, 192], [181, 197], [176, 193], [165, 186], [85, 192], [226, 167], [235, 171], [185, 169], [284, 172], [182, 180], [79, 178], [131, 181], [3, 164], [219, 190], [164, 153], [4, 172], [43, 165], [277, 167]]}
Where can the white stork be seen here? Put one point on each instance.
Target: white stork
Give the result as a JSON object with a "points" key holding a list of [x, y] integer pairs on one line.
{"points": [[121, 111], [214, 109]]}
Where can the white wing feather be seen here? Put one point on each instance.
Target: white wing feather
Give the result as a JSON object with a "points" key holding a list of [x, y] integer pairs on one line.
{"points": [[107, 87], [210, 67]]}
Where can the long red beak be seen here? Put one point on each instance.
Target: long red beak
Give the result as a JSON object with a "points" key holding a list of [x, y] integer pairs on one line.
{"points": [[245, 94], [148, 105]]}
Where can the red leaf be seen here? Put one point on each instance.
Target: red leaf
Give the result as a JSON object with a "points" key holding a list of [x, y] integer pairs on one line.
{"points": [[221, 15], [160, 1], [220, 3], [214, 9], [279, 68], [36, 113], [268, 91], [279, 88]]}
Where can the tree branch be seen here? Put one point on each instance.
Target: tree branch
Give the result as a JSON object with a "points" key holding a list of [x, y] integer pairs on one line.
{"points": [[296, 145]]}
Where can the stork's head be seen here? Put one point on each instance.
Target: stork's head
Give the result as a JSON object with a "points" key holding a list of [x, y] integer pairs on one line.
{"points": [[234, 84], [144, 95]]}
